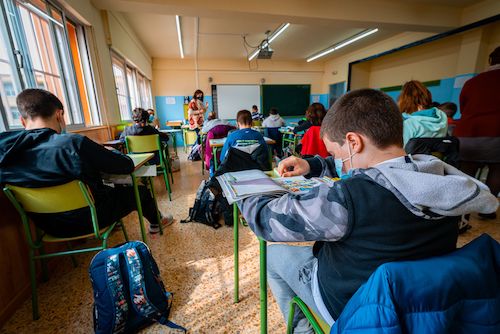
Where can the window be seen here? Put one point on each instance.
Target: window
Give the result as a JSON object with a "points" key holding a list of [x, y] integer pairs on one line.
{"points": [[50, 55], [132, 87]]}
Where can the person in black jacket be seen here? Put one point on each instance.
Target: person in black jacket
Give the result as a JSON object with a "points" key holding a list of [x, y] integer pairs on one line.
{"points": [[43, 155]]}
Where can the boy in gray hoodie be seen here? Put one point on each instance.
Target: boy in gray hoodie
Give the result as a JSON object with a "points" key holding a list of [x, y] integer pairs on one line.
{"points": [[388, 206], [274, 119]]}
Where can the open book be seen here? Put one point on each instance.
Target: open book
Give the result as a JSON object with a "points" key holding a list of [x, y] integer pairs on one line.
{"points": [[239, 185]]}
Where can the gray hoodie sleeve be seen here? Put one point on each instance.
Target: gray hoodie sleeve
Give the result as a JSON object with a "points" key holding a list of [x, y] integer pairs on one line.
{"points": [[319, 215]]}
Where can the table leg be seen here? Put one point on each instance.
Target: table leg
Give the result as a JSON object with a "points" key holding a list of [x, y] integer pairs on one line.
{"points": [[263, 286], [174, 142], [202, 155], [236, 264], [139, 208], [214, 156], [184, 137]]}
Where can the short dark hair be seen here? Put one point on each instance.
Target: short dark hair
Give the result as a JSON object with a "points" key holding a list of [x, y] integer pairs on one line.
{"points": [[140, 115], [315, 113], [495, 56], [366, 111], [273, 111], [449, 108], [255, 107], [244, 117], [33, 103]]}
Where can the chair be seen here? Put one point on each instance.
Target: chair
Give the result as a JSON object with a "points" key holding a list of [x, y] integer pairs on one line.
{"points": [[276, 135], [70, 196], [151, 144], [318, 324]]}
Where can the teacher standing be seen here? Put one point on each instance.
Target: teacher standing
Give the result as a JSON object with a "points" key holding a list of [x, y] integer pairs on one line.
{"points": [[197, 111]]}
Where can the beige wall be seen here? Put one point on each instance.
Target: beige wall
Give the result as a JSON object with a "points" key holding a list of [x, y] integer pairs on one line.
{"points": [[126, 42], [448, 57], [176, 77]]}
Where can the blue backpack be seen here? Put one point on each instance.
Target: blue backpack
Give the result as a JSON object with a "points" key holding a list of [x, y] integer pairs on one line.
{"points": [[128, 291]]}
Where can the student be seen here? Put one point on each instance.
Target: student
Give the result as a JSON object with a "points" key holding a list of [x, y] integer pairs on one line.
{"points": [[244, 138], [43, 155], [274, 119], [256, 116], [154, 121], [450, 109], [387, 207], [312, 144], [420, 119], [479, 126], [303, 126], [141, 127]]}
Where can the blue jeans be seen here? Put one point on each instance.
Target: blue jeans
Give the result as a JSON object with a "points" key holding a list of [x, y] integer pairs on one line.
{"points": [[289, 274]]}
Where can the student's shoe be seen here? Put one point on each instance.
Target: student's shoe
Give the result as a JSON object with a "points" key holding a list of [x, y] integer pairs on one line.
{"points": [[165, 221], [464, 225], [487, 215]]}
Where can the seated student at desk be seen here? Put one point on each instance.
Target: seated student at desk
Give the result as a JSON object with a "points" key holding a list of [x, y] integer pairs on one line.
{"points": [[43, 155], [142, 128], [388, 206], [246, 139], [274, 119]]}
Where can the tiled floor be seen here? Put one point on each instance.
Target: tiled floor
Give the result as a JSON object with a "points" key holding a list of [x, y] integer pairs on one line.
{"points": [[196, 263]]}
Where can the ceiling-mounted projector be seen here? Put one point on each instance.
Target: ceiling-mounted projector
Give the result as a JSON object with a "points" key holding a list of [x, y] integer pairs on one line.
{"points": [[265, 53]]}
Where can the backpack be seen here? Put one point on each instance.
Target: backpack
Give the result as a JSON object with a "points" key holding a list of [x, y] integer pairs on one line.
{"points": [[206, 209], [195, 155], [128, 291]]}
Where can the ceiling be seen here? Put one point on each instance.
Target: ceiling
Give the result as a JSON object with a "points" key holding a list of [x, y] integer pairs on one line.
{"points": [[215, 29]]}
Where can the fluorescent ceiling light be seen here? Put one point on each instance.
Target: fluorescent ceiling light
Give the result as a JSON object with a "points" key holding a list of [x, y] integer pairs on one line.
{"points": [[179, 35], [272, 37], [342, 44]]}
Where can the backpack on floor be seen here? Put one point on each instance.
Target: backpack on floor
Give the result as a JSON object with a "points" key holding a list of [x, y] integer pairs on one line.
{"points": [[128, 291], [195, 154], [205, 209]]}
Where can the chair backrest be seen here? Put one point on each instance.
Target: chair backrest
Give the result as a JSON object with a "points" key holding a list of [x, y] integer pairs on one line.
{"points": [[143, 144], [66, 197]]}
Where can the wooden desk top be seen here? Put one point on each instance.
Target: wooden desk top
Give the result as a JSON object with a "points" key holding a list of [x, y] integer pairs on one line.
{"points": [[113, 142], [140, 159], [220, 142]]}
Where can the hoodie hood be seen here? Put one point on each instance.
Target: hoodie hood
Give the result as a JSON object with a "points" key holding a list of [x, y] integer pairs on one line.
{"points": [[430, 188], [430, 123], [274, 117], [209, 125]]}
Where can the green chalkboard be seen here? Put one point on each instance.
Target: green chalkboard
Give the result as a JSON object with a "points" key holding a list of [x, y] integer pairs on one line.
{"points": [[290, 100]]}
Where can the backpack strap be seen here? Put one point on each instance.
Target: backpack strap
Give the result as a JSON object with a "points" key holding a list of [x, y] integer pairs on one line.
{"points": [[115, 285], [140, 301]]}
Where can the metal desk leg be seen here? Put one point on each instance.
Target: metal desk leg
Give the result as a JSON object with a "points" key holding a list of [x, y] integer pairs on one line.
{"points": [[184, 137], [236, 250], [202, 154], [174, 142], [263, 286], [214, 154], [139, 208]]}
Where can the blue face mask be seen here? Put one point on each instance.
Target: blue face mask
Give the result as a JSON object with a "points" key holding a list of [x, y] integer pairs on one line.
{"points": [[339, 164], [151, 118]]}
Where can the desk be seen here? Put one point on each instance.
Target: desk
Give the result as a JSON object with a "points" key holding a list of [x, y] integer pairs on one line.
{"points": [[139, 161], [173, 136], [291, 138], [117, 144], [215, 144]]}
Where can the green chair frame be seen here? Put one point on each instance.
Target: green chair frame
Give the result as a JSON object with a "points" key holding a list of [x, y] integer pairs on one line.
{"points": [[152, 144], [70, 196], [318, 324]]}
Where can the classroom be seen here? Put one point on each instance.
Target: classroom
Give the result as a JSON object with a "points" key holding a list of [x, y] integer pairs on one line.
{"points": [[283, 166]]}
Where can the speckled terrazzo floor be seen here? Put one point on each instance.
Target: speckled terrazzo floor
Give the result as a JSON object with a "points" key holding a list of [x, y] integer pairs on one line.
{"points": [[196, 263]]}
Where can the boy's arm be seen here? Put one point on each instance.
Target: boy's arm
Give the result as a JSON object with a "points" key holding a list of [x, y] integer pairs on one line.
{"points": [[319, 215], [104, 160], [225, 148], [320, 167]]}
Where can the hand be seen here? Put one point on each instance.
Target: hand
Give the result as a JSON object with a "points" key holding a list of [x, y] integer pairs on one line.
{"points": [[293, 166], [206, 105]]}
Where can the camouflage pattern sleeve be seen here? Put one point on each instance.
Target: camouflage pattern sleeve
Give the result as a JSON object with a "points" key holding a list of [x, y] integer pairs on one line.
{"points": [[321, 167], [319, 215]]}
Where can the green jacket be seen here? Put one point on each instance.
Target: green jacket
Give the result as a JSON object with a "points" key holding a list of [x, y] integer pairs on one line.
{"points": [[424, 123]]}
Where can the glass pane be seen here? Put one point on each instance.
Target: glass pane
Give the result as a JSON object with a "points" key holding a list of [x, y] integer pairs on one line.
{"points": [[121, 89], [132, 88], [9, 87]]}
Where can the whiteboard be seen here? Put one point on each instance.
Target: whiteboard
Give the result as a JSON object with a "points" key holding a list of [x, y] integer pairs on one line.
{"points": [[233, 98]]}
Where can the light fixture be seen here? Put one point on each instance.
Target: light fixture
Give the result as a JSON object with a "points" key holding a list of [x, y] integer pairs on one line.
{"points": [[343, 43], [179, 35], [271, 38]]}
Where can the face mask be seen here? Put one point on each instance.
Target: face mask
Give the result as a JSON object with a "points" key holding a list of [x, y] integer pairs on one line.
{"points": [[199, 98], [151, 118], [63, 129], [339, 163]]}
